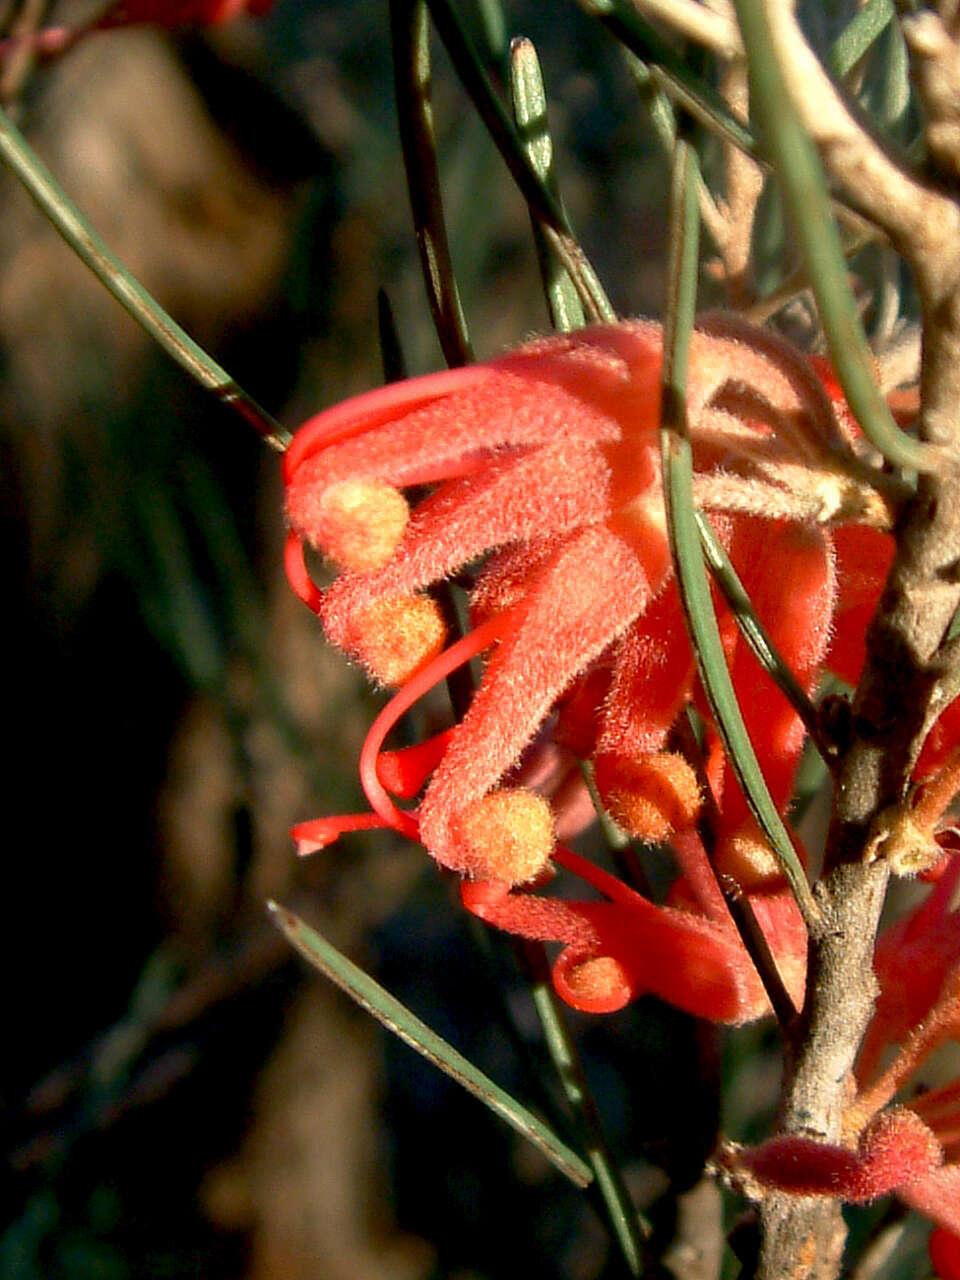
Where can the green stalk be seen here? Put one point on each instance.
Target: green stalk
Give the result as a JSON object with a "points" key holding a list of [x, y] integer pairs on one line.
{"points": [[685, 534], [629, 1227], [410, 35]]}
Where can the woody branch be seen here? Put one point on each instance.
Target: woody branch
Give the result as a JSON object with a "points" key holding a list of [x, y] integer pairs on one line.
{"points": [[905, 675]]}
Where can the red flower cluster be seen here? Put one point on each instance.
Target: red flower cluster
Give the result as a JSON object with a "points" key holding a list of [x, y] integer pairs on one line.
{"points": [[547, 462]]}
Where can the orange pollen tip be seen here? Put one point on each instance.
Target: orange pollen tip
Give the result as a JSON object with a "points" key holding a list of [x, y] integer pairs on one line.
{"points": [[506, 836], [398, 636], [361, 523], [652, 797], [747, 857], [600, 980]]}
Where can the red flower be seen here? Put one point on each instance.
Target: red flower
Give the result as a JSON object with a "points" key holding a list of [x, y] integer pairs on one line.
{"points": [[549, 459]]}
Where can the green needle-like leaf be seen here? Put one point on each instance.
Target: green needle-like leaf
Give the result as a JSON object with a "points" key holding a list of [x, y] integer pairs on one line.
{"points": [[529, 101], [858, 36], [370, 996], [71, 225], [685, 534], [410, 33], [805, 195], [492, 112], [629, 1227], [755, 634]]}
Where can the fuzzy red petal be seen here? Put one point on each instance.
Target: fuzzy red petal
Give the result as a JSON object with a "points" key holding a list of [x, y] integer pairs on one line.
{"points": [[944, 1249], [652, 678], [937, 1197], [912, 960], [590, 591], [897, 1153], [692, 963], [551, 490]]}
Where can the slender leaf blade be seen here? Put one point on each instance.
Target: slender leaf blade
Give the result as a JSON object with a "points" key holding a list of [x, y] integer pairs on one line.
{"points": [[396, 1017]]}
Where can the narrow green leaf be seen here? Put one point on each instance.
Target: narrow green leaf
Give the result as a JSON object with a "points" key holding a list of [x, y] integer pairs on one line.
{"points": [[858, 36], [501, 129], [70, 224], [684, 532], [705, 634], [699, 99], [410, 35], [369, 995], [755, 634], [895, 100], [805, 195], [683, 267], [629, 1226], [529, 101]]}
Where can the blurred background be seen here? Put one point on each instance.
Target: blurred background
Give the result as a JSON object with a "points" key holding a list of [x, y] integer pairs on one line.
{"points": [[179, 1097]]}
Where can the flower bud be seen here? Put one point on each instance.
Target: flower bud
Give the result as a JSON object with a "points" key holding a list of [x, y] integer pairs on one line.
{"points": [[506, 836], [895, 1151], [653, 796], [357, 523], [746, 855], [397, 636], [598, 985]]}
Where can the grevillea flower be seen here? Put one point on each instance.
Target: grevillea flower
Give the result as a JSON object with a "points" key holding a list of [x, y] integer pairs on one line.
{"points": [[546, 461]]}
